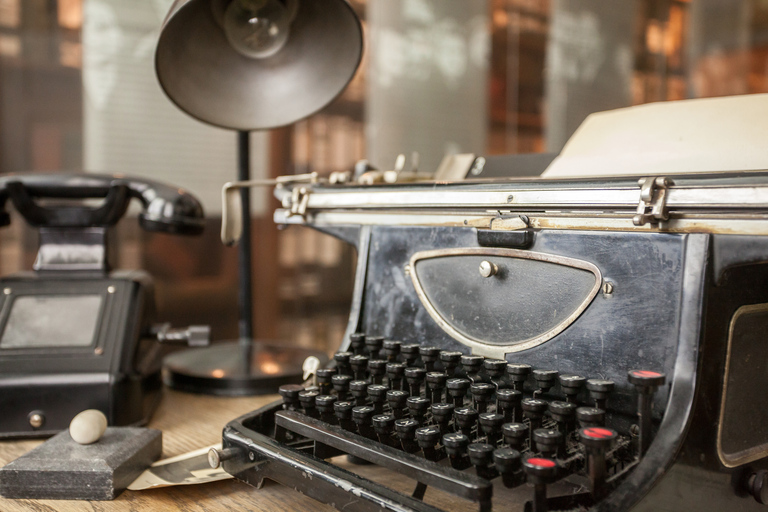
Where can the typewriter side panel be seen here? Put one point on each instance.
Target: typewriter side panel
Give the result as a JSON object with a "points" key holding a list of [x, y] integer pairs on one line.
{"points": [[725, 454]]}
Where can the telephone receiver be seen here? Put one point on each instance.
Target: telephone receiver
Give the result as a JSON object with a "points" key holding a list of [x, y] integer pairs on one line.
{"points": [[73, 237]]}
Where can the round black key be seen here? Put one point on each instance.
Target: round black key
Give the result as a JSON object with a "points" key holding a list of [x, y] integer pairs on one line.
{"points": [[534, 407], [455, 443], [359, 390], [377, 368], [391, 349], [418, 407], [307, 398], [646, 379], [374, 344], [436, 383], [482, 393], [442, 413], [406, 429], [383, 424], [397, 399], [343, 410], [599, 389], [378, 394], [290, 393], [480, 454], [562, 412], [341, 384], [572, 386], [540, 470], [427, 437], [429, 355], [597, 438], [458, 385], [472, 364], [545, 379], [395, 373], [547, 440], [465, 418], [514, 434], [508, 401], [450, 361], [518, 373], [362, 414], [359, 364], [495, 367], [324, 403], [410, 353], [357, 342], [342, 361], [590, 417], [506, 460], [324, 375], [490, 421], [415, 377]]}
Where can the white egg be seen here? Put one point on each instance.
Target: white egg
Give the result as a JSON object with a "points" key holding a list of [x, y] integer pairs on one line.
{"points": [[88, 426]]}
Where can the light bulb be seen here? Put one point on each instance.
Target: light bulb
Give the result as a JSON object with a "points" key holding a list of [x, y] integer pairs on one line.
{"points": [[258, 28]]}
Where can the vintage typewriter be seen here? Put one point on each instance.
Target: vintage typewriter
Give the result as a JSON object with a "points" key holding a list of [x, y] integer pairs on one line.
{"points": [[533, 344], [558, 343]]}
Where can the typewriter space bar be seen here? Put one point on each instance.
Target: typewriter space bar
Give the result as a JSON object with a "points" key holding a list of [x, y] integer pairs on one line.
{"points": [[446, 478]]}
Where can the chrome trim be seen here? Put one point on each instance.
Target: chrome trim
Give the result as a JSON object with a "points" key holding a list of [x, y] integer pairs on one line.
{"points": [[756, 452], [493, 350]]}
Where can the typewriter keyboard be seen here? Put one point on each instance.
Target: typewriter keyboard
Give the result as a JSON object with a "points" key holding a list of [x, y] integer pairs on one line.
{"points": [[465, 423]]}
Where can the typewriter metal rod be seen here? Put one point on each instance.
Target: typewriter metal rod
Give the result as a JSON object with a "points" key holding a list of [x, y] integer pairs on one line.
{"points": [[422, 470], [742, 224], [452, 195]]}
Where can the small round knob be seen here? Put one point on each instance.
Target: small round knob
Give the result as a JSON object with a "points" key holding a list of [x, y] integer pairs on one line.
{"points": [[36, 419], [488, 269]]}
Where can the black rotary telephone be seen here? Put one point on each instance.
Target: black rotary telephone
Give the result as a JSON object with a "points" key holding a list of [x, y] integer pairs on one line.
{"points": [[74, 334]]}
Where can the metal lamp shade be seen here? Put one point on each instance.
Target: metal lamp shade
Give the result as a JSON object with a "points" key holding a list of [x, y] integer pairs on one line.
{"points": [[204, 76]]}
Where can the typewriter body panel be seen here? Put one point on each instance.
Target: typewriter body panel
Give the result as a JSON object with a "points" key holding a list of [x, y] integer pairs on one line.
{"points": [[584, 277]]}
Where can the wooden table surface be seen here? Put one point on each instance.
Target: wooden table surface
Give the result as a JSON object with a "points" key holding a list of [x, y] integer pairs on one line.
{"points": [[188, 422]]}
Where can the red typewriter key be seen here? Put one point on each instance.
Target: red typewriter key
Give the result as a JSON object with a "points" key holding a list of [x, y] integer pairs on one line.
{"points": [[596, 441], [540, 472]]}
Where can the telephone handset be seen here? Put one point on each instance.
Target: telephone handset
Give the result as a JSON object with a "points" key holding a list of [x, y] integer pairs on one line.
{"points": [[73, 334]]}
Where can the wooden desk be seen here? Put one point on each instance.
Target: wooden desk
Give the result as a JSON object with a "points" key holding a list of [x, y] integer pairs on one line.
{"points": [[187, 422]]}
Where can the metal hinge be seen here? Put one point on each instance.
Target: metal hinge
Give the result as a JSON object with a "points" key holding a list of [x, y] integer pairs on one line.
{"points": [[299, 201], [653, 200]]}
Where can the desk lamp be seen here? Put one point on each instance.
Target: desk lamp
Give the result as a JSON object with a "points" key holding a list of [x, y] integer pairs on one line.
{"points": [[251, 65]]}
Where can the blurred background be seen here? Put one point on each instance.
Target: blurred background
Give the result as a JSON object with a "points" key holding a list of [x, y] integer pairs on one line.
{"points": [[78, 92]]}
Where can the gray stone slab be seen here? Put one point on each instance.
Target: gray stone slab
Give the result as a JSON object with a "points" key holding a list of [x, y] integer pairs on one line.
{"points": [[62, 469]]}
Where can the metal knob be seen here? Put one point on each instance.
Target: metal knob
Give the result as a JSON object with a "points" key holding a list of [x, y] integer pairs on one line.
{"points": [[488, 269]]}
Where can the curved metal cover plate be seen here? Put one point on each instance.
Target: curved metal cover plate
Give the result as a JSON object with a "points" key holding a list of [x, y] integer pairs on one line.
{"points": [[531, 298]]}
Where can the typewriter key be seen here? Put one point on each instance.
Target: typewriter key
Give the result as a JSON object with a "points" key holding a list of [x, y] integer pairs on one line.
{"points": [[482, 393], [508, 404], [418, 408], [429, 356], [450, 361], [377, 368], [572, 386], [490, 424], [343, 412], [465, 417], [442, 414], [374, 344], [481, 456], [307, 399], [427, 438], [378, 395], [599, 389], [515, 435], [324, 376], [342, 362], [359, 390], [395, 373], [410, 353], [341, 385], [457, 389], [384, 425], [391, 349], [415, 378], [590, 417], [362, 416], [359, 364], [357, 342], [545, 380], [518, 373], [472, 365], [436, 384], [547, 441], [563, 413], [495, 369], [646, 382], [397, 402], [290, 394], [596, 441], [406, 432], [456, 447], [324, 405], [540, 472], [508, 463]]}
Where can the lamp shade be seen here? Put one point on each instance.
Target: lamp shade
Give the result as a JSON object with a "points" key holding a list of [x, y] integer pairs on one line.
{"points": [[208, 79]]}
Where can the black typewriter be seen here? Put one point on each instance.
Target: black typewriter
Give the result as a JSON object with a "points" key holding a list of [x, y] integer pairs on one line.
{"points": [[576, 344]]}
